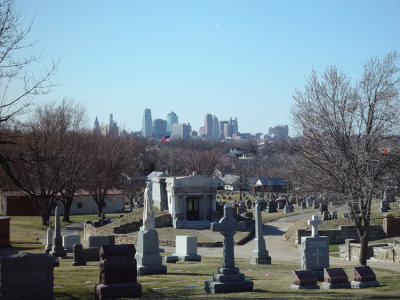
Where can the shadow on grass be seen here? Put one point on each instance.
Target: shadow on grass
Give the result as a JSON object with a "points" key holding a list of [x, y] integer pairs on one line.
{"points": [[28, 247], [194, 274]]}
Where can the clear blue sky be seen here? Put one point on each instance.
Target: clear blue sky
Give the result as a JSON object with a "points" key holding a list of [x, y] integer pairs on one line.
{"points": [[230, 58]]}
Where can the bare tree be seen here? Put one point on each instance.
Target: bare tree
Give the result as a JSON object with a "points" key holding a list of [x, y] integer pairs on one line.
{"points": [[344, 128]]}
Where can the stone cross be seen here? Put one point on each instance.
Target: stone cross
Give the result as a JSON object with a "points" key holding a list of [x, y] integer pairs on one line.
{"points": [[228, 226], [317, 254], [314, 222]]}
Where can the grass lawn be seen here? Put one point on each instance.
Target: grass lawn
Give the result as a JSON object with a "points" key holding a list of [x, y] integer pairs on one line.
{"points": [[186, 280]]}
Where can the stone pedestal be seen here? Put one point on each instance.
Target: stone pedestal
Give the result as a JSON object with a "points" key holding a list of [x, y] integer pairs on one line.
{"points": [[57, 249], [186, 248], [260, 254], [228, 280], [149, 260]]}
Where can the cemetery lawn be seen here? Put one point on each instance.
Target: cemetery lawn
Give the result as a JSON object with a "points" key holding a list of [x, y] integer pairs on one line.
{"points": [[186, 280]]}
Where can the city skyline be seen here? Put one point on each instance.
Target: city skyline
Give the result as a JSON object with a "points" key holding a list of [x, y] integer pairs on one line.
{"points": [[231, 58]]}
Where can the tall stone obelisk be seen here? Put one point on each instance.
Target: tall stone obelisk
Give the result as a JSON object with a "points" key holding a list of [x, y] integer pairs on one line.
{"points": [[58, 249], [260, 254]]}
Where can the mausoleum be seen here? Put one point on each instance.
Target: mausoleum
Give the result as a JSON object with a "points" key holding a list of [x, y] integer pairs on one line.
{"points": [[190, 200]]}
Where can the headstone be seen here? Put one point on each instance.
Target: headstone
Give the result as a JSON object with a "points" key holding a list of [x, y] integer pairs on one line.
{"points": [[334, 215], [303, 205], [315, 250], [26, 276], [118, 275], [260, 254], [325, 215], [78, 255], [49, 236], [96, 241], [58, 249], [363, 277], [288, 208], [186, 248], [272, 206], [149, 260], [70, 240], [335, 278], [304, 279], [5, 232], [335, 202], [281, 205], [384, 206], [228, 279]]}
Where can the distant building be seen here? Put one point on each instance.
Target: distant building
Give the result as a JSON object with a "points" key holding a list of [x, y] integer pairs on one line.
{"points": [[235, 126], [228, 130], [147, 124], [112, 128], [208, 125], [159, 128], [215, 127], [202, 131], [181, 131], [96, 128], [279, 132], [172, 118], [222, 128]]}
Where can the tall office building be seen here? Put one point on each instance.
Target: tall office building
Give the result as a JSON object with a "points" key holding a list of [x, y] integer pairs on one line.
{"points": [[111, 128], [172, 118], [147, 124], [181, 131], [228, 130], [279, 131], [159, 128], [96, 128], [221, 128], [235, 127], [215, 127], [208, 125]]}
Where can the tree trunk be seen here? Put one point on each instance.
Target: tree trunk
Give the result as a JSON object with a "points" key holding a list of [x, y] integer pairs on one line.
{"points": [[100, 208], [364, 249], [67, 210]]}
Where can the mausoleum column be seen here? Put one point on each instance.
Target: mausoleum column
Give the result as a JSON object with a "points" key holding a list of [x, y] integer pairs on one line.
{"points": [[184, 207], [204, 207]]}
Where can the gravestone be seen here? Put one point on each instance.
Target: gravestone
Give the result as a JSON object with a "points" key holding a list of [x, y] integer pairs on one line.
{"points": [[304, 279], [325, 215], [323, 207], [272, 206], [335, 278], [334, 215], [78, 255], [5, 232], [49, 236], [57, 249], [26, 276], [186, 248], [315, 250], [281, 204], [260, 254], [384, 206], [118, 275], [70, 240], [228, 279], [96, 241], [363, 277], [149, 260], [288, 208], [303, 205]]}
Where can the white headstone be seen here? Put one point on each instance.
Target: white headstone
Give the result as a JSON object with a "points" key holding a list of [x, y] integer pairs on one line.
{"points": [[70, 240], [186, 248]]}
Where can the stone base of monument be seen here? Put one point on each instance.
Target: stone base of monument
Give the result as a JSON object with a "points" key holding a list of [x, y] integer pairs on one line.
{"points": [[58, 251], [319, 274], [338, 285], [190, 257], [305, 287], [120, 290], [171, 259], [151, 270], [149, 260], [260, 260], [228, 280], [365, 284]]}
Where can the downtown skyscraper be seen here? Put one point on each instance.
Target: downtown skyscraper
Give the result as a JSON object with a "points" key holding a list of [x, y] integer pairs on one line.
{"points": [[147, 124]]}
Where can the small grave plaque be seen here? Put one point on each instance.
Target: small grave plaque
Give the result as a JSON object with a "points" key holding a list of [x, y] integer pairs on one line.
{"points": [[335, 275], [304, 277], [363, 274]]}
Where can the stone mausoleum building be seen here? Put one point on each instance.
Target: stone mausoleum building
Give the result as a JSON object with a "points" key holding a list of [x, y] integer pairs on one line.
{"points": [[191, 200]]}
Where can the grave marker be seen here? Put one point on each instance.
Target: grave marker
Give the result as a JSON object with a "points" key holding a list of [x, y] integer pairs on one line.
{"points": [[335, 278], [363, 277], [304, 279]]}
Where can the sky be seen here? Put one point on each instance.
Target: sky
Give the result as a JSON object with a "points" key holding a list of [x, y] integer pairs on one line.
{"points": [[232, 58]]}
